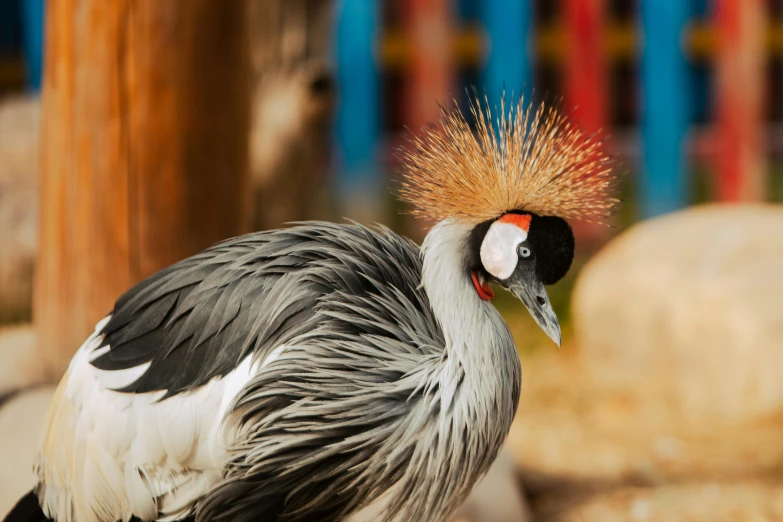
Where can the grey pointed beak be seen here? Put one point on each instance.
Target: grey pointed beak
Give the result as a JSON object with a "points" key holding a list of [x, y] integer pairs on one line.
{"points": [[530, 290]]}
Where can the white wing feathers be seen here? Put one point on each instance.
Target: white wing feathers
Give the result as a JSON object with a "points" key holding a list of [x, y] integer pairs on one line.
{"points": [[106, 455]]}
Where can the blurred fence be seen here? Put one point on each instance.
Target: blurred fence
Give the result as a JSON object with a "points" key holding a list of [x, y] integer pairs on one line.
{"points": [[700, 80]]}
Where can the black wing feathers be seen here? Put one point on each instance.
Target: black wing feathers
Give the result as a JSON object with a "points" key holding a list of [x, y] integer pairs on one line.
{"points": [[197, 319]]}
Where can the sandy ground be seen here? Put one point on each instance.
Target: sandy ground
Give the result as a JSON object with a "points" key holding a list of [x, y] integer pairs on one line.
{"points": [[20, 421]]}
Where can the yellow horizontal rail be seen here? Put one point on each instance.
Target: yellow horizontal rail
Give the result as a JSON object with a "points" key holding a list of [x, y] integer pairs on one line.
{"points": [[621, 42]]}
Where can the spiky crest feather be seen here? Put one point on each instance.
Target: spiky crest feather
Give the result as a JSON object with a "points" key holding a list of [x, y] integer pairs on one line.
{"points": [[533, 159]]}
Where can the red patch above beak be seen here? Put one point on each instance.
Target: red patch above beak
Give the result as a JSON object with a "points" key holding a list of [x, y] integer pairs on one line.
{"points": [[520, 220], [482, 289]]}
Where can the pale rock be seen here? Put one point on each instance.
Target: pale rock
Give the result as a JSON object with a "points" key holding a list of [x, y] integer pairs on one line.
{"points": [[689, 305], [20, 425], [19, 366]]}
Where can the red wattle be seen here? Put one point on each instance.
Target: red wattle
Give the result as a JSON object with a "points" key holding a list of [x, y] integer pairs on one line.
{"points": [[483, 290]]}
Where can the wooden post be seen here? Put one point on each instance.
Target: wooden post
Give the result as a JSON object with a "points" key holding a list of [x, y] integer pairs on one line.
{"points": [[665, 108], [740, 98], [144, 151]]}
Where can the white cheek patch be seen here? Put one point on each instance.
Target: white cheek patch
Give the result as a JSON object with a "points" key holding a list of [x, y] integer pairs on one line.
{"points": [[499, 248]]}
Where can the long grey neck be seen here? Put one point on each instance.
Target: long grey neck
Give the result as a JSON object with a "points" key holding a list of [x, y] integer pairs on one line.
{"points": [[452, 296], [477, 380], [477, 338], [468, 394]]}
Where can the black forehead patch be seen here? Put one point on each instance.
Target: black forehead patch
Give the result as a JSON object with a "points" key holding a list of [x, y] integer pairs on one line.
{"points": [[553, 242]]}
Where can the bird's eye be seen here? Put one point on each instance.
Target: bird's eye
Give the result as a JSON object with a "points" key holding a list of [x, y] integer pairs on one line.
{"points": [[524, 251]]}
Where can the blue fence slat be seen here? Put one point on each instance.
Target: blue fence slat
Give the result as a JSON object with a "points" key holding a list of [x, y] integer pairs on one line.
{"points": [[32, 38], [358, 126], [665, 107], [508, 34]]}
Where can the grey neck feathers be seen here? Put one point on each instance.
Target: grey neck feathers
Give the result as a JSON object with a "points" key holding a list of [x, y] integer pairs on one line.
{"points": [[479, 346], [447, 282], [468, 322], [477, 378]]}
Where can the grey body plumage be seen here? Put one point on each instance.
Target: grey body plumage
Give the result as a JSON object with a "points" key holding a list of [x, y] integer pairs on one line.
{"points": [[369, 392]]}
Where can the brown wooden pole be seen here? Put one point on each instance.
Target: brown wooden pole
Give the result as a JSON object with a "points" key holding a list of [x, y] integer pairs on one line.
{"points": [[144, 151]]}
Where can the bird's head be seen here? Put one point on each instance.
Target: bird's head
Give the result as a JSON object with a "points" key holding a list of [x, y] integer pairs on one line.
{"points": [[513, 180], [522, 252]]}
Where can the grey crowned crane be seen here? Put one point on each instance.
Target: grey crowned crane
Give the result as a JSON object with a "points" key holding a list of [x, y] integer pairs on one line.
{"points": [[303, 374]]}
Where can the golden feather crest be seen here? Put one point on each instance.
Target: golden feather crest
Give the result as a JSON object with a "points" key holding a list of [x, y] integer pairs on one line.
{"points": [[529, 159]]}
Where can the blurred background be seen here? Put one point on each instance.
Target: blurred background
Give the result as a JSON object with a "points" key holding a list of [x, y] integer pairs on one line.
{"points": [[137, 132]]}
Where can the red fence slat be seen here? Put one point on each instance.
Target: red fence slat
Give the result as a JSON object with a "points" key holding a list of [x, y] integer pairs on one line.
{"points": [[429, 25], [740, 89]]}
